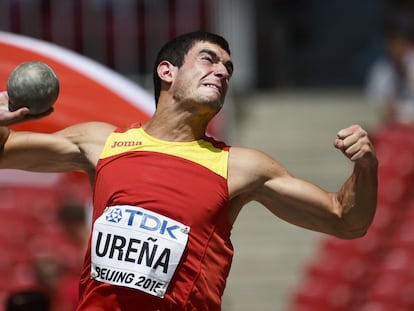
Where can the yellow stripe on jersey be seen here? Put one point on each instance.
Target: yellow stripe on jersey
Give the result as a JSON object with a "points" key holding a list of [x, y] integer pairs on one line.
{"points": [[199, 151]]}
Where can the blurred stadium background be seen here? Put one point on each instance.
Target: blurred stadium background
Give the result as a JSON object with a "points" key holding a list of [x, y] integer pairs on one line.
{"points": [[300, 70]]}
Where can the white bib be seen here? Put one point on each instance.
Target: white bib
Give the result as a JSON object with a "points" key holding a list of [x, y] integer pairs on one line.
{"points": [[137, 248]]}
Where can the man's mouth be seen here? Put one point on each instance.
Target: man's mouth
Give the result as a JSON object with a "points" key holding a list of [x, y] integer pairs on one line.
{"points": [[213, 86]]}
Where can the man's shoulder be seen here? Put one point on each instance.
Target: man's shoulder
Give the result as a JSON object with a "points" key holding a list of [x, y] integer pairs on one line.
{"points": [[245, 159], [88, 136], [251, 161]]}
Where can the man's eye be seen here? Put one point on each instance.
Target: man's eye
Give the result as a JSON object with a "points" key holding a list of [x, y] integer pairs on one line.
{"points": [[208, 59]]}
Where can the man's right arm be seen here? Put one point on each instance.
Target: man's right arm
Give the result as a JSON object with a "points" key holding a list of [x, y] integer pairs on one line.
{"points": [[40, 152], [74, 148]]}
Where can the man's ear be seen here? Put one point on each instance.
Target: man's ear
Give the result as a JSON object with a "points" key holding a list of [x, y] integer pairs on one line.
{"points": [[165, 71]]}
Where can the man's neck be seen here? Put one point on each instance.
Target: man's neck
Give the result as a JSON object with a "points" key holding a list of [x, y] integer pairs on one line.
{"points": [[180, 125]]}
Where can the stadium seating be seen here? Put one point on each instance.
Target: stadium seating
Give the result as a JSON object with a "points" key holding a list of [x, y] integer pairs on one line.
{"points": [[30, 230], [375, 272]]}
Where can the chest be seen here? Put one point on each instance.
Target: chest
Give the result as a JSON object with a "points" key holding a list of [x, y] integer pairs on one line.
{"points": [[176, 187]]}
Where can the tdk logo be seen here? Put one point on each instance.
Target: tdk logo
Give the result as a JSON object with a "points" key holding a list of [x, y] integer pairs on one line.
{"points": [[150, 222], [114, 216]]}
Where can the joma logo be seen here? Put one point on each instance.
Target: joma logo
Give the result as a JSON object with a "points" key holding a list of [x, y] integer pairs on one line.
{"points": [[126, 143]]}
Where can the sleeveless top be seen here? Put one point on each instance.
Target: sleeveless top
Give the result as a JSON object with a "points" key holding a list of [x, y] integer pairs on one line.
{"points": [[161, 234]]}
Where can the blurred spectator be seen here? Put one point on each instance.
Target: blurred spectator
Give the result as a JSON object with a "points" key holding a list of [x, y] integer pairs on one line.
{"points": [[390, 84], [28, 300], [58, 274], [74, 221], [73, 218], [60, 288]]}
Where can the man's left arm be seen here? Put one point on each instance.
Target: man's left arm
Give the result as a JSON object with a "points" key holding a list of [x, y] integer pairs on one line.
{"points": [[347, 213], [358, 195]]}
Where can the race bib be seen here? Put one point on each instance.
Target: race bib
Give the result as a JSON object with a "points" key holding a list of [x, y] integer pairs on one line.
{"points": [[137, 248]]}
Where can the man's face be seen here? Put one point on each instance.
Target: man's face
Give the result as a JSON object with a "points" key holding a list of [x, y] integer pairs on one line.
{"points": [[204, 76]]}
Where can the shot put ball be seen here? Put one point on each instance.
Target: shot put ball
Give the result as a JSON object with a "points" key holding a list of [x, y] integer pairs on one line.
{"points": [[34, 85]]}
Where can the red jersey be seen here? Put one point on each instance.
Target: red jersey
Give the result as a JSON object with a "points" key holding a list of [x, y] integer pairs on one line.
{"points": [[161, 234]]}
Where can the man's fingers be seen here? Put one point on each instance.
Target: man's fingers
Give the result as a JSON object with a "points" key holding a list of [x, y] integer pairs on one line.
{"points": [[353, 149], [9, 118], [23, 114], [351, 139], [342, 134], [353, 142]]}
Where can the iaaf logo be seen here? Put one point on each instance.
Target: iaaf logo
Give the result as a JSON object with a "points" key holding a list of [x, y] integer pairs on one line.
{"points": [[115, 215], [142, 220]]}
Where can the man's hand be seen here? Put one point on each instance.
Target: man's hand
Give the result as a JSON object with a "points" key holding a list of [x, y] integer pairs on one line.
{"points": [[355, 144], [20, 115]]}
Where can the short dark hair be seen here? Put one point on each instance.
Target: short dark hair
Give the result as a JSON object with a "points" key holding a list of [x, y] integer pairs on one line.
{"points": [[175, 50]]}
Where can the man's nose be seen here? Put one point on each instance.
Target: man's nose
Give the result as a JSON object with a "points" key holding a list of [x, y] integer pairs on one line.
{"points": [[221, 71]]}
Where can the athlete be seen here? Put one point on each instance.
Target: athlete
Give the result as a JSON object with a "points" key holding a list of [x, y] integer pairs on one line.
{"points": [[166, 195]]}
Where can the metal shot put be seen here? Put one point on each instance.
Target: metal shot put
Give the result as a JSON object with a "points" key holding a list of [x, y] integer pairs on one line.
{"points": [[34, 85]]}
